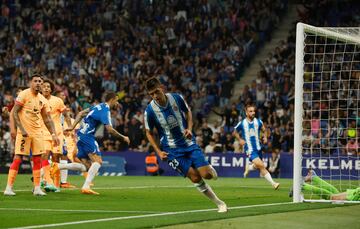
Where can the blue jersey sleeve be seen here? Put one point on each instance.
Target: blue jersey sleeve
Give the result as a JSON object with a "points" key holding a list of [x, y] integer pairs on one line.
{"points": [[181, 102]]}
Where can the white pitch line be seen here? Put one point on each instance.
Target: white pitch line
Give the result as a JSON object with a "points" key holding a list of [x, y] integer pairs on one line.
{"points": [[73, 210], [119, 188], [145, 187], [144, 216]]}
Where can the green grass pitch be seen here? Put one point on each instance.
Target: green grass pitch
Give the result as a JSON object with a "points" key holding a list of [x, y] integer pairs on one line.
{"points": [[148, 202]]}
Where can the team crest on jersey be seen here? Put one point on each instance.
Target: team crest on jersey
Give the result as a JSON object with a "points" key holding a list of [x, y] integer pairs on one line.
{"points": [[172, 122], [176, 108]]}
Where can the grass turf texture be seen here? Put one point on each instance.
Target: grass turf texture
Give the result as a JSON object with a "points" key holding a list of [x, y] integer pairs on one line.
{"points": [[147, 198]]}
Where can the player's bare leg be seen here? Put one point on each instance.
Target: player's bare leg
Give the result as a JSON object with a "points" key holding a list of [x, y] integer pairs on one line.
{"points": [[45, 167], [206, 172], [56, 173], [248, 168], [259, 164], [64, 167], [13, 171], [36, 175], [75, 166], [87, 164], [96, 162]]}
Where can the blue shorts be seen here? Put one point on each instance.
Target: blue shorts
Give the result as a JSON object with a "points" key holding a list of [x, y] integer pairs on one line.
{"points": [[181, 162], [254, 154], [86, 146]]}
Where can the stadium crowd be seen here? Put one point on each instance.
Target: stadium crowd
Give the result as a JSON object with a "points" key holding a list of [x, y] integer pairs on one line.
{"points": [[197, 48], [331, 79]]}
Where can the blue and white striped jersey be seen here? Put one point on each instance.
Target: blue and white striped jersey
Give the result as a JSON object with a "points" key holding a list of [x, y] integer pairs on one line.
{"points": [[250, 132], [99, 114], [170, 122]]}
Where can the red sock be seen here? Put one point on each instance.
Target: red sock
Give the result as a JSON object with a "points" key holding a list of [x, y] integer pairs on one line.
{"points": [[13, 171], [36, 169]]}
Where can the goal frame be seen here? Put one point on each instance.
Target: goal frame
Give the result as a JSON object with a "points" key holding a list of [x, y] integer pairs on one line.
{"points": [[301, 28]]}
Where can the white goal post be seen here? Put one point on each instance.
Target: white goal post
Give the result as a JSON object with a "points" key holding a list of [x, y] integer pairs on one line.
{"points": [[327, 98]]}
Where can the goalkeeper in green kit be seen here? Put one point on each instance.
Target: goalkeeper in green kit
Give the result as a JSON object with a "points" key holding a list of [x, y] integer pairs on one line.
{"points": [[327, 191]]}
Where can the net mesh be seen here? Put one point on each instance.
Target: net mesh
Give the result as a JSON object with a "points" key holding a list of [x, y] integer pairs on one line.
{"points": [[331, 114]]}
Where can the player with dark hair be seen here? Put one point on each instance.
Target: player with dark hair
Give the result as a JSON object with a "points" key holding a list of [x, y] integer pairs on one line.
{"points": [[30, 111], [171, 116], [88, 148], [57, 109]]}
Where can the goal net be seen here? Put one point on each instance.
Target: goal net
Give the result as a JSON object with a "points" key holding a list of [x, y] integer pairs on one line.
{"points": [[327, 114]]}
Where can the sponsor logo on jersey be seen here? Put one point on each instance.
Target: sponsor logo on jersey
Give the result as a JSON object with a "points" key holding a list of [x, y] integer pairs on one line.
{"points": [[171, 120]]}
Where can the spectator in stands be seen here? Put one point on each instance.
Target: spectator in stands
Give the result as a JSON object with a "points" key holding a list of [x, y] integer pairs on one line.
{"points": [[352, 147], [144, 146], [277, 139], [207, 133], [229, 143], [135, 133], [80, 45], [210, 147], [273, 165]]}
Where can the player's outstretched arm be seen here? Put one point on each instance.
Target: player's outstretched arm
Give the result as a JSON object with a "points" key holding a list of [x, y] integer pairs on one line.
{"points": [[67, 117], [188, 131], [112, 131], [78, 118], [264, 134], [150, 137]]}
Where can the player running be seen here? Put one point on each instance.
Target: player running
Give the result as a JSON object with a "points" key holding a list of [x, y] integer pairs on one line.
{"points": [[88, 148], [172, 118], [250, 128]]}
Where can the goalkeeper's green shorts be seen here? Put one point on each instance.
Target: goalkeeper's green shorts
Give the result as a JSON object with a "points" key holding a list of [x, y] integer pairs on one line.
{"points": [[353, 194]]}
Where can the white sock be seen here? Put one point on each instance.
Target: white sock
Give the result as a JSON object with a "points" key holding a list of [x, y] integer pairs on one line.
{"points": [[8, 188], [268, 178], [94, 168], [63, 172], [207, 191], [73, 166]]}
